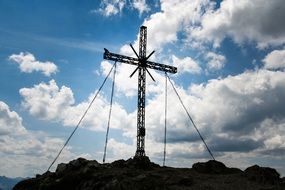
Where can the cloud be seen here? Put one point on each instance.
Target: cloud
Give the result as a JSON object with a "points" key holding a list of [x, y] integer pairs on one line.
{"points": [[28, 64], [113, 7], [239, 103], [275, 60], [110, 7], [141, 6], [24, 152], [49, 102], [199, 21], [163, 26], [117, 149], [235, 110], [215, 61], [259, 21], [222, 144], [10, 122], [186, 64]]}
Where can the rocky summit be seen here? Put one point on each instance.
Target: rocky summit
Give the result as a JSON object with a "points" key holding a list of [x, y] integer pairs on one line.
{"points": [[140, 173]]}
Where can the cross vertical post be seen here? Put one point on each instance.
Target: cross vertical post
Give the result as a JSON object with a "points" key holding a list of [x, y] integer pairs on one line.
{"points": [[141, 93], [142, 64]]}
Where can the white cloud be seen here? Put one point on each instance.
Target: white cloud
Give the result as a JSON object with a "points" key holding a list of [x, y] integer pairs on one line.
{"points": [[124, 84], [215, 61], [10, 122], [164, 26], [119, 150], [230, 111], [275, 60], [114, 7], [141, 6], [111, 7], [186, 64], [23, 152], [47, 101], [28, 64], [260, 21], [239, 103]]}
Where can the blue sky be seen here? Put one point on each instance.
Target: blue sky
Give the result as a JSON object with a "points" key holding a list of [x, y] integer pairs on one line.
{"points": [[230, 58]]}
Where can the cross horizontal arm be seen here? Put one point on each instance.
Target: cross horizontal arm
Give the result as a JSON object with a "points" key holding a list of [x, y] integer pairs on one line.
{"points": [[161, 67], [120, 58]]}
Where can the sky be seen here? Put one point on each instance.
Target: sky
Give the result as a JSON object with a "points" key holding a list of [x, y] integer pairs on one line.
{"points": [[230, 57]]}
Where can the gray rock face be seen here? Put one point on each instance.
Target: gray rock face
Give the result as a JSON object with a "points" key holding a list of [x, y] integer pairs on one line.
{"points": [[141, 173]]}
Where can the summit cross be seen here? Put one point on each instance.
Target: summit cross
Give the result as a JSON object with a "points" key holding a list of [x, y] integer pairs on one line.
{"points": [[142, 63]]}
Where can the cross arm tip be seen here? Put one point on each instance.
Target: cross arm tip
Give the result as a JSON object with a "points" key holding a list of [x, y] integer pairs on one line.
{"points": [[106, 51]]}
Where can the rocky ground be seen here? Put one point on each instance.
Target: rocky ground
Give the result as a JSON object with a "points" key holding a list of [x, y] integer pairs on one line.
{"points": [[140, 173]]}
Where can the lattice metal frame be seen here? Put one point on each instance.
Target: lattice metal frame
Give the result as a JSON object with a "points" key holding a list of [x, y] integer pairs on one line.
{"points": [[142, 64]]}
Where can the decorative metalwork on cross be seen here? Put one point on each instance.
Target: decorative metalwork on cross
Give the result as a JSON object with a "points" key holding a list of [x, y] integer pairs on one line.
{"points": [[142, 63]]}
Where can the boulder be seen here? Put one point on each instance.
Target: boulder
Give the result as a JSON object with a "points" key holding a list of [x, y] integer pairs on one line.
{"points": [[214, 167], [263, 175], [61, 168], [141, 163]]}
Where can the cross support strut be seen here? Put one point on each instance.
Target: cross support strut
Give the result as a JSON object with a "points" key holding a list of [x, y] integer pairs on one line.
{"points": [[142, 63]]}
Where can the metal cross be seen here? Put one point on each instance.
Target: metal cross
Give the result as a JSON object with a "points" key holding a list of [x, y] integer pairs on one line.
{"points": [[142, 63]]}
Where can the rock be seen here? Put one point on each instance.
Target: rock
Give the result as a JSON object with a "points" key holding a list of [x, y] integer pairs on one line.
{"points": [[214, 167], [282, 182], [263, 175], [78, 162], [61, 168], [140, 173], [141, 163], [119, 164]]}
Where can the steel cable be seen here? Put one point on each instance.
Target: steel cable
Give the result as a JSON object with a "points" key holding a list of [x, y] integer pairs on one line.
{"points": [[190, 117], [81, 118], [110, 112], [165, 119]]}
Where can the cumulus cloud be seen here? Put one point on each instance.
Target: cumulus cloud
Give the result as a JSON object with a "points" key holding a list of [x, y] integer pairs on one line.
{"points": [[186, 64], [238, 104], [111, 7], [47, 101], [215, 61], [10, 122], [163, 26], [114, 7], [141, 6], [275, 60], [259, 21], [24, 152], [233, 114], [28, 64], [117, 149], [199, 21]]}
